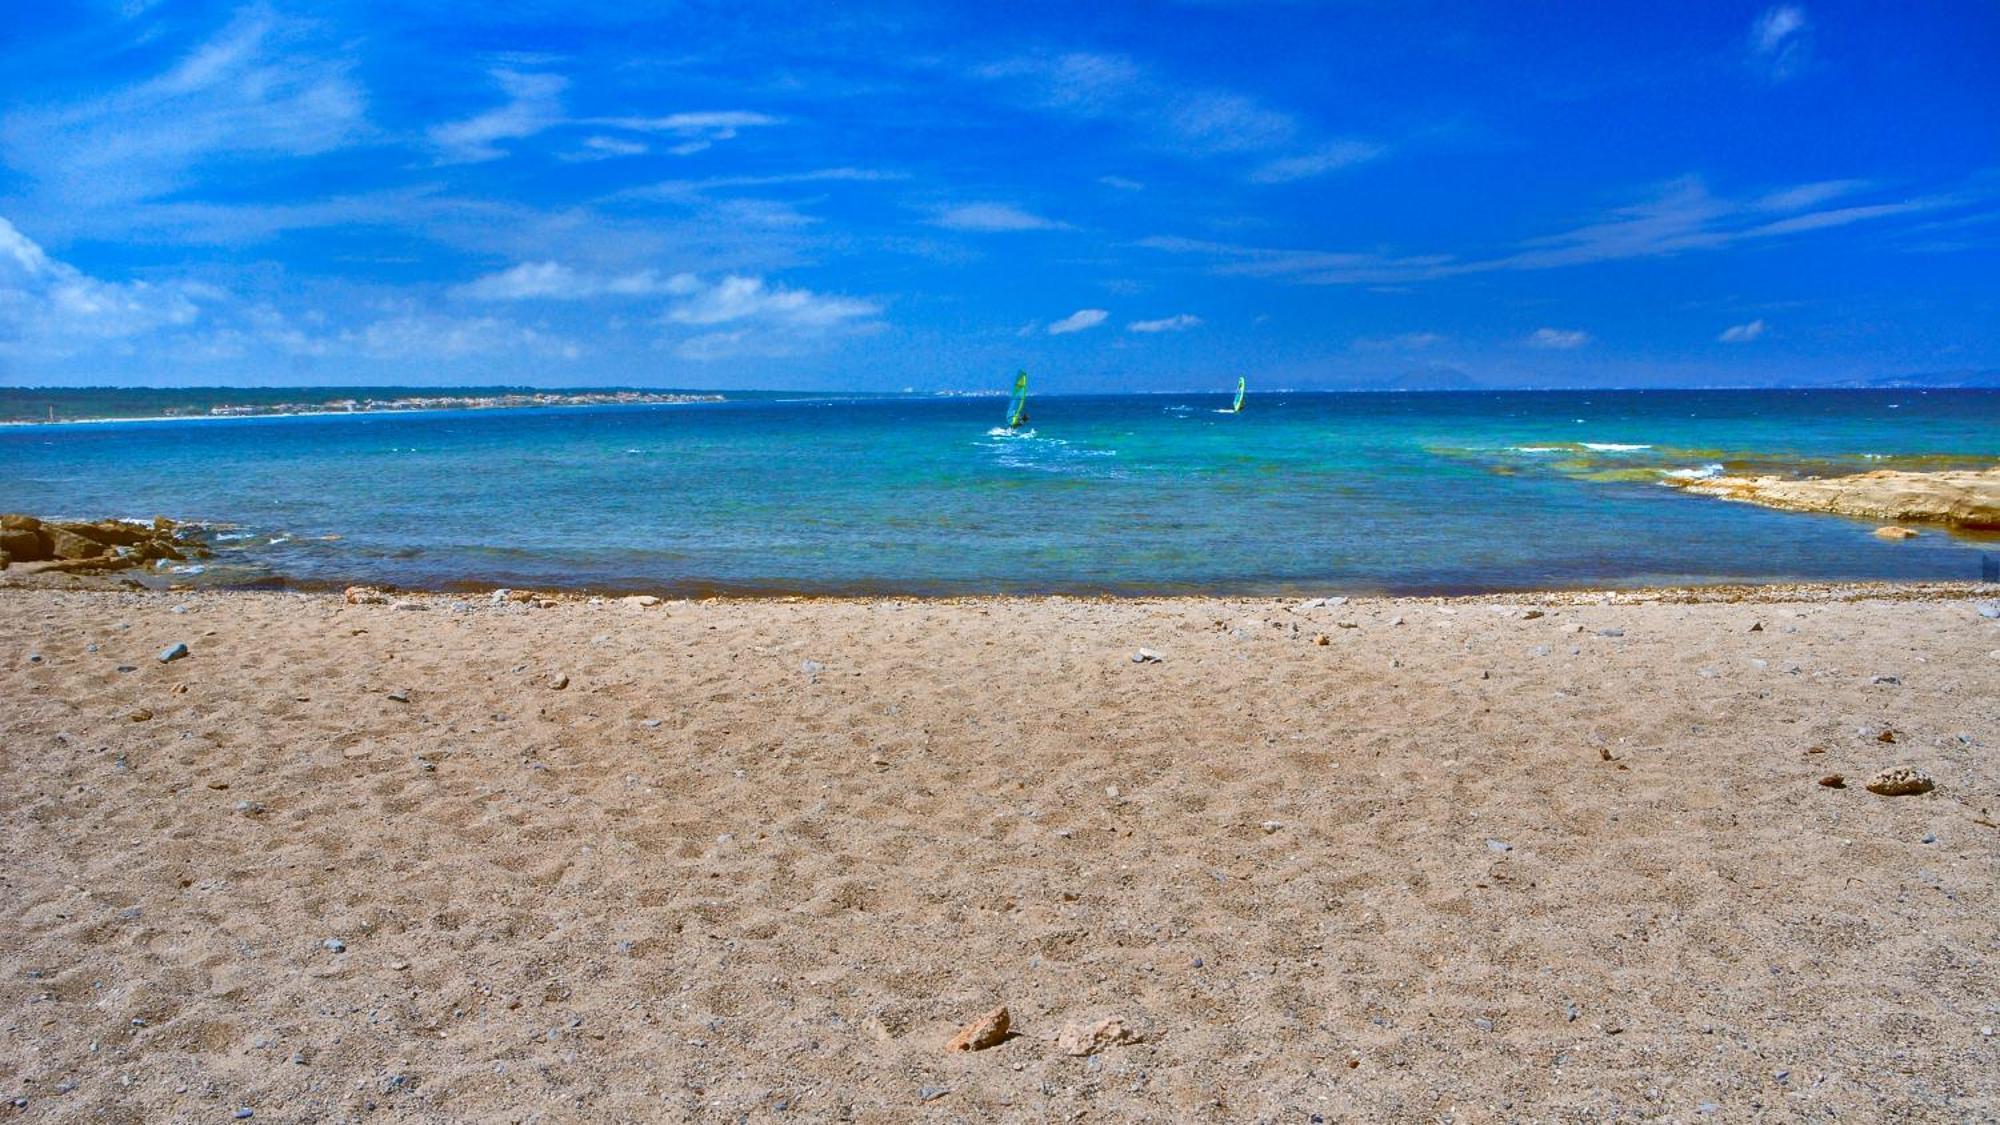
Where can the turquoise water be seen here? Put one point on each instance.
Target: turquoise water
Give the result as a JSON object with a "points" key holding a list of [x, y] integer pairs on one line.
{"points": [[1127, 494]]}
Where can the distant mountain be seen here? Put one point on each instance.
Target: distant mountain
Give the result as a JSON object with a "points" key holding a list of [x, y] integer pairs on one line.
{"points": [[1966, 378]]}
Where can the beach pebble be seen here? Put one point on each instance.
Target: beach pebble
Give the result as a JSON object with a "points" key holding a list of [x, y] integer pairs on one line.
{"points": [[558, 682], [364, 595], [1611, 632], [1087, 1039], [1337, 601], [1885, 679], [1322, 639], [1901, 781], [173, 652], [641, 600], [334, 945], [1499, 846], [244, 1113], [141, 715], [932, 1093], [410, 607], [1145, 656], [400, 695], [1989, 609], [986, 1031], [812, 668], [1834, 781], [1271, 826], [1530, 614]]}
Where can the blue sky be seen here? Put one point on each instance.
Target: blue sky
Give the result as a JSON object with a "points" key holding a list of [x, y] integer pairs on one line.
{"points": [[930, 195]]}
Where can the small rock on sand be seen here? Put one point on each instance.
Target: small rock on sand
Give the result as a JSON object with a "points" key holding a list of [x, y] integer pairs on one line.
{"points": [[1145, 656], [1894, 533], [986, 1031], [364, 595], [643, 601], [1901, 781], [173, 652], [1834, 781], [1088, 1039], [558, 682]]}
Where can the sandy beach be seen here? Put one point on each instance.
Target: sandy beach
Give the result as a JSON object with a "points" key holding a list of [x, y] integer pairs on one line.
{"points": [[1531, 858]]}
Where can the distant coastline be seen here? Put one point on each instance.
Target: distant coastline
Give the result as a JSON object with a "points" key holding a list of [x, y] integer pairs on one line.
{"points": [[371, 405]]}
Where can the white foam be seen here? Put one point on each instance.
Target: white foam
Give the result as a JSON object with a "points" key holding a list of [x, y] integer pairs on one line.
{"points": [[1703, 473], [1613, 447]]}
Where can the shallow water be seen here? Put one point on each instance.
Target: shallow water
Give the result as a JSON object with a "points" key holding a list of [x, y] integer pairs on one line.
{"points": [[1126, 494]]}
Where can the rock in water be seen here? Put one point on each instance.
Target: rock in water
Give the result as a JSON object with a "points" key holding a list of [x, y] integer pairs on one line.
{"points": [[173, 652], [986, 1031], [1901, 781], [1087, 1039], [1894, 533]]}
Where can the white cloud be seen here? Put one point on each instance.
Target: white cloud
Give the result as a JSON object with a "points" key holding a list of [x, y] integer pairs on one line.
{"points": [[749, 316], [1780, 41], [993, 217], [606, 148], [1078, 321], [51, 308], [1742, 333], [1121, 183], [1558, 339], [261, 89], [745, 298], [1179, 323], [1319, 162], [534, 104], [552, 281]]}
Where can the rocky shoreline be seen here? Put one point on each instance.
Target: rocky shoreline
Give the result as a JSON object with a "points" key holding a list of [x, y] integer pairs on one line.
{"points": [[1964, 501], [35, 545]]}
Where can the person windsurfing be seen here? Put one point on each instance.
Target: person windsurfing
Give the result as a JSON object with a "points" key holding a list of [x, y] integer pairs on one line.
{"points": [[1017, 407]]}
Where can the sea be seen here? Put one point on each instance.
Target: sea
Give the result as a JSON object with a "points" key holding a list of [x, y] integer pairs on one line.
{"points": [[1300, 493]]}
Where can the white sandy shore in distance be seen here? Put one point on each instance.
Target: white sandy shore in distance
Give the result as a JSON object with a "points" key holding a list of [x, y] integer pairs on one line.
{"points": [[760, 859]]}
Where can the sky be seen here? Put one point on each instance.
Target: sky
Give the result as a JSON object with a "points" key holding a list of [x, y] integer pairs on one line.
{"points": [[931, 195]]}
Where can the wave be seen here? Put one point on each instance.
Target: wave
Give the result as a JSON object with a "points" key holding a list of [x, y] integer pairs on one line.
{"points": [[1706, 472], [1613, 447]]}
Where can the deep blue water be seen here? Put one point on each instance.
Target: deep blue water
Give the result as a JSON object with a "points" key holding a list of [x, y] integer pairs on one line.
{"points": [[1127, 494]]}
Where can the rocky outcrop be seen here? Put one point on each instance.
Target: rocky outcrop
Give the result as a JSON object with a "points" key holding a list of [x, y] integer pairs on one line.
{"points": [[91, 546], [1967, 500]]}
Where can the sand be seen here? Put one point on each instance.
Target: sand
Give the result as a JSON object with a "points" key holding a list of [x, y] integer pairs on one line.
{"points": [[760, 860]]}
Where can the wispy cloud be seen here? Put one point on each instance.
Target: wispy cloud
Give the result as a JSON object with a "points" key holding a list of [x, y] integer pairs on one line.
{"points": [[262, 89], [1122, 183], [553, 281], [1321, 161], [1742, 333], [1780, 41], [993, 218], [1178, 323], [695, 131], [1403, 342], [534, 104], [1172, 116], [1682, 217], [430, 336], [1558, 339], [1078, 321]]}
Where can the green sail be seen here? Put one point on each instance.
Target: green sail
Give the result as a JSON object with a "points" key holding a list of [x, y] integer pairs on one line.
{"points": [[1237, 407], [1017, 410]]}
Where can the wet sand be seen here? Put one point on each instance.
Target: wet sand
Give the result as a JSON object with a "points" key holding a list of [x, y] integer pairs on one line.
{"points": [[762, 859]]}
